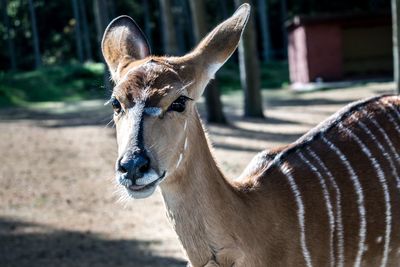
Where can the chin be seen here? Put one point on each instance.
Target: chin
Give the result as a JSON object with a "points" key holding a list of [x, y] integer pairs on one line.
{"points": [[144, 193]]}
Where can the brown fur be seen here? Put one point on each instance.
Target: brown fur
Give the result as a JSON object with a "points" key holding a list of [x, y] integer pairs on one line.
{"points": [[252, 221]]}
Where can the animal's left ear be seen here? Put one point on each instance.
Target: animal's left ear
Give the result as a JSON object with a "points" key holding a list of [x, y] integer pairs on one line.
{"points": [[123, 41], [212, 52]]}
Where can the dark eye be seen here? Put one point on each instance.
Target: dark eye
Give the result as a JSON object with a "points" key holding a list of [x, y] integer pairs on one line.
{"points": [[179, 104], [116, 106]]}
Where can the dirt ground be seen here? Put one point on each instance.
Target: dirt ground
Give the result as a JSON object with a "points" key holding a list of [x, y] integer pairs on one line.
{"points": [[58, 205]]}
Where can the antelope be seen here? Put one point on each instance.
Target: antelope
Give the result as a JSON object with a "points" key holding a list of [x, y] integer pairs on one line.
{"points": [[330, 198]]}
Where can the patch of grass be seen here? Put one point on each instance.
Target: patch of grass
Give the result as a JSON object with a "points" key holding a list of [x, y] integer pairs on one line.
{"points": [[76, 82], [55, 83], [273, 75]]}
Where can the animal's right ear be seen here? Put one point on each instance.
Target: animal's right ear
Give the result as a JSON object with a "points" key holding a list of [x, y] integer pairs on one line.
{"points": [[213, 51], [123, 41]]}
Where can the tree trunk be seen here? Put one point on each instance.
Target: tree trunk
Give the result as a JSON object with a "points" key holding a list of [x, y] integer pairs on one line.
{"points": [[147, 26], [102, 19], [265, 34], [284, 31], [190, 42], [111, 9], [9, 37], [250, 69], [35, 37], [180, 26], [169, 35], [212, 95], [224, 9], [85, 31], [78, 35], [396, 42]]}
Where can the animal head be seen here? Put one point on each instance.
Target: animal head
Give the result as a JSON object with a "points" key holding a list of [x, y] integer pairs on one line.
{"points": [[154, 97]]}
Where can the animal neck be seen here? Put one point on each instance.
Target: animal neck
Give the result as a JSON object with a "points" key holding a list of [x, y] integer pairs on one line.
{"points": [[201, 204]]}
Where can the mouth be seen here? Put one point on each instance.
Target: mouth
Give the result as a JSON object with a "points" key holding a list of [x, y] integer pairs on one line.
{"points": [[144, 186]]}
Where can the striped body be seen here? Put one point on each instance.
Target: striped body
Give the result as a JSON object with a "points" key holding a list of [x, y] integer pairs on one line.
{"points": [[338, 190]]}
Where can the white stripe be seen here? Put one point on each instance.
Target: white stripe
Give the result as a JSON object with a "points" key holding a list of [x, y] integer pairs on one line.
{"points": [[385, 188], [179, 160], [185, 145], [393, 120], [328, 204], [396, 111], [385, 136], [339, 220], [360, 200], [384, 153], [300, 213]]}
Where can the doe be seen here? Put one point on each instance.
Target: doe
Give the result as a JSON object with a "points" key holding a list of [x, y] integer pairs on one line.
{"points": [[332, 198]]}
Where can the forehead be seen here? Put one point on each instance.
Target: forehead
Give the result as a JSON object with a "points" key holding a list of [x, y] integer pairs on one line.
{"points": [[149, 81]]}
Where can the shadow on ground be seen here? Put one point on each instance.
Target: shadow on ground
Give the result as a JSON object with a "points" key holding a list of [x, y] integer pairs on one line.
{"points": [[28, 244]]}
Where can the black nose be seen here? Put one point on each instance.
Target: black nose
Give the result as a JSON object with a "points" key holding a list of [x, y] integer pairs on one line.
{"points": [[134, 166]]}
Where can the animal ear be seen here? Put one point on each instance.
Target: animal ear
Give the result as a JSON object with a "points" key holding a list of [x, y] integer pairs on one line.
{"points": [[123, 40], [214, 50]]}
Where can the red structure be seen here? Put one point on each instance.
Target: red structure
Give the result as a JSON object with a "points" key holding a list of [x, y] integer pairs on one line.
{"points": [[332, 48]]}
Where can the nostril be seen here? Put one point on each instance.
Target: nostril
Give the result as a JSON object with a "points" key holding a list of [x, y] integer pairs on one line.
{"points": [[121, 167], [145, 166]]}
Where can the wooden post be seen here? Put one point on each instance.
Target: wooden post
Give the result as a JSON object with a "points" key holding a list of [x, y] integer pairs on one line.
{"points": [[396, 42]]}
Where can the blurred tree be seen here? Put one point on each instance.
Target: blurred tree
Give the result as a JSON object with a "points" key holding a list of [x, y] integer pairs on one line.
{"points": [[250, 69], [102, 18], [9, 36], [111, 9], [212, 95], [284, 31], [147, 26], [77, 29], [168, 28], [224, 9], [85, 31], [264, 29], [179, 22], [35, 37], [396, 42]]}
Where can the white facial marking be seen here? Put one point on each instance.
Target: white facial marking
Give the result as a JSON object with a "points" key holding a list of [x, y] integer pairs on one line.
{"points": [[360, 199], [300, 213], [379, 239], [124, 182], [328, 204], [339, 220], [141, 194], [147, 178], [153, 111]]}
